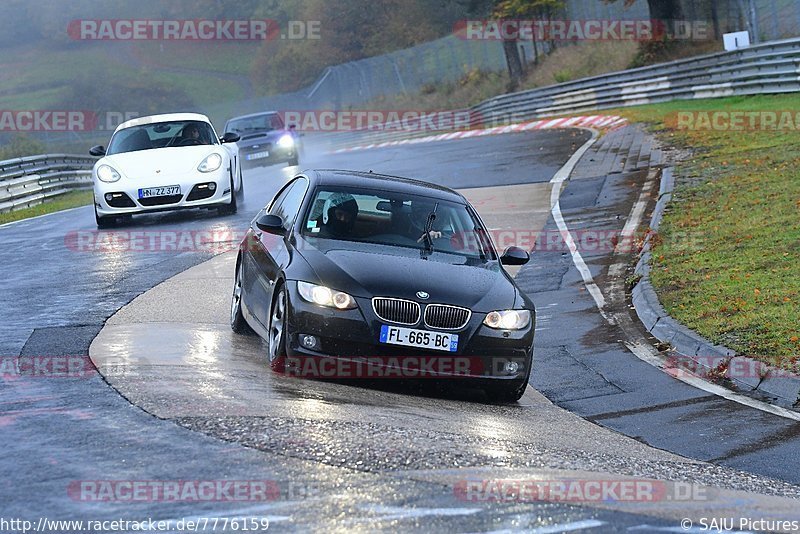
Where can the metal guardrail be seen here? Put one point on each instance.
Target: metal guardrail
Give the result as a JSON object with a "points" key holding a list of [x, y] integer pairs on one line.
{"points": [[768, 68], [32, 180]]}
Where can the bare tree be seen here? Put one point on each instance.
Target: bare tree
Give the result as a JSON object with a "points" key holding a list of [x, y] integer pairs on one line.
{"points": [[523, 9]]}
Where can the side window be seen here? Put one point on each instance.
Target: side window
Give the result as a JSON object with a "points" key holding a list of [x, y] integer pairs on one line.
{"points": [[278, 200], [289, 201]]}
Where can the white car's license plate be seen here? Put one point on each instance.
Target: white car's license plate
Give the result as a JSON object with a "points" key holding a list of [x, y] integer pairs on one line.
{"points": [[258, 155], [424, 339], [165, 191]]}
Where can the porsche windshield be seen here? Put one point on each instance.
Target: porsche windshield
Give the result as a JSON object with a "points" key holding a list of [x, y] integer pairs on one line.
{"points": [[396, 219], [161, 135]]}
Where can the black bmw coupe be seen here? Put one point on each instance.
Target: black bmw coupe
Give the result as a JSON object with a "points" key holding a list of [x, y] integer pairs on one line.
{"points": [[351, 274]]}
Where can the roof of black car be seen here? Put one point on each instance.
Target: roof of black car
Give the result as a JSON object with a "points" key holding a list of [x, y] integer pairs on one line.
{"points": [[385, 181], [252, 115]]}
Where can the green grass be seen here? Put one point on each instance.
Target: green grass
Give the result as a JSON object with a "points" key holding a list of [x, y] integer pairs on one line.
{"points": [[728, 261], [41, 75], [37, 74], [73, 199], [220, 57]]}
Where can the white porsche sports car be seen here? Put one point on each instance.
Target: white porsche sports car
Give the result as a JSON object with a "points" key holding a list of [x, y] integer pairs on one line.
{"points": [[166, 162]]}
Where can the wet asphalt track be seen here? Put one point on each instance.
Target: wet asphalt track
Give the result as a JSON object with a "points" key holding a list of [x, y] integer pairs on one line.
{"points": [[55, 300]]}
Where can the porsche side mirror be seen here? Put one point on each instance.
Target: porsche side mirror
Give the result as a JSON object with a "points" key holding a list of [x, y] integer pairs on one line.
{"points": [[229, 137], [97, 150], [514, 256], [272, 224]]}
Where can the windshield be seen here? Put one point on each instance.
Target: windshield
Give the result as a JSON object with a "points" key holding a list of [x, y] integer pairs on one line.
{"points": [[396, 219], [259, 123], [160, 135]]}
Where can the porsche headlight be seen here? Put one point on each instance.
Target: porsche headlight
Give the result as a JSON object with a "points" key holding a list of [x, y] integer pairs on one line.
{"points": [[106, 173], [286, 141], [211, 163], [325, 296], [508, 319]]}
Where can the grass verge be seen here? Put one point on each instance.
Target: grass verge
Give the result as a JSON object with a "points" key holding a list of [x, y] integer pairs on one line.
{"points": [[73, 199], [728, 262]]}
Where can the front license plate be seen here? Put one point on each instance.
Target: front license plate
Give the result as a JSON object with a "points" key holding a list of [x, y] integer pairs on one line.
{"points": [[165, 191], [257, 155], [424, 339]]}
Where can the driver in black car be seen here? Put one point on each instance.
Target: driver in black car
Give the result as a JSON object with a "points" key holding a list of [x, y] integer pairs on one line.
{"points": [[339, 216], [418, 220]]}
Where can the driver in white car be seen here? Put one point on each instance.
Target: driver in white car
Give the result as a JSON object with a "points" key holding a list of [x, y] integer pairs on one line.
{"points": [[191, 131]]}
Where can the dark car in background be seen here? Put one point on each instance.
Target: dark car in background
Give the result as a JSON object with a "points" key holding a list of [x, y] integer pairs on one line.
{"points": [[264, 139], [388, 271]]}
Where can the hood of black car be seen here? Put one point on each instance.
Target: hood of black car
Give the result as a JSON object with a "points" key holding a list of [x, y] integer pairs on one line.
{"points": [[369, 270], [249, 139]]}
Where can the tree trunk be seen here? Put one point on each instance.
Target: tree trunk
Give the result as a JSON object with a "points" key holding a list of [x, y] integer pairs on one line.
{"points": [[715, 19], [667, 11], [513, 61]]}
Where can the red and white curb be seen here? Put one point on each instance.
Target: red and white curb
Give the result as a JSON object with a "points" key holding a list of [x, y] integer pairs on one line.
{"points": [[605, 122]]}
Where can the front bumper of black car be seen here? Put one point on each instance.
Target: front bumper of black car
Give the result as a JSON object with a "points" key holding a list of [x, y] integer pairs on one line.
{"points": [[352, 339], [275, 154]]}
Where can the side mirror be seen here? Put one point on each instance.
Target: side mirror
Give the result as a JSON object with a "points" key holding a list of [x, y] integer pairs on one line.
{"points": [[229, 137], [272, 224], [97, 150], [514, 256]]}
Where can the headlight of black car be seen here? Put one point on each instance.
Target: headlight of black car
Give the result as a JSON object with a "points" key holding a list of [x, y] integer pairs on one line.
{"points": [[508, 319], [325, 296]]}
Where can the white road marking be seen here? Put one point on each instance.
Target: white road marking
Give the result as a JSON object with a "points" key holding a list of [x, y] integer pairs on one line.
{"points": [[646, 352], [393, 513], [555, 208], [554, 529], [643, 351], [255, 512], [690, 530]]}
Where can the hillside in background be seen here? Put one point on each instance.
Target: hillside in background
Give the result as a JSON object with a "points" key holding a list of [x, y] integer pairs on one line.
{"points": [[43, 67]]}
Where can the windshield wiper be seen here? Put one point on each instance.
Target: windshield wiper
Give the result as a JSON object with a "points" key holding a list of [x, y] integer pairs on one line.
{"points": [[428, 227]]}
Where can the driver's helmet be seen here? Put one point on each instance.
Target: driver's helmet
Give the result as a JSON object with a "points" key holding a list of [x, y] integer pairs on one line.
{"points": [[339, 213]]}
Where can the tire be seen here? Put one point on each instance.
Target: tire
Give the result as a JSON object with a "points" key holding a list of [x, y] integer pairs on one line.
{"points": [[276, 351], [241, 185], [295, 161], [103, 222], [508, 393], [233, 207], [238, 323]]}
